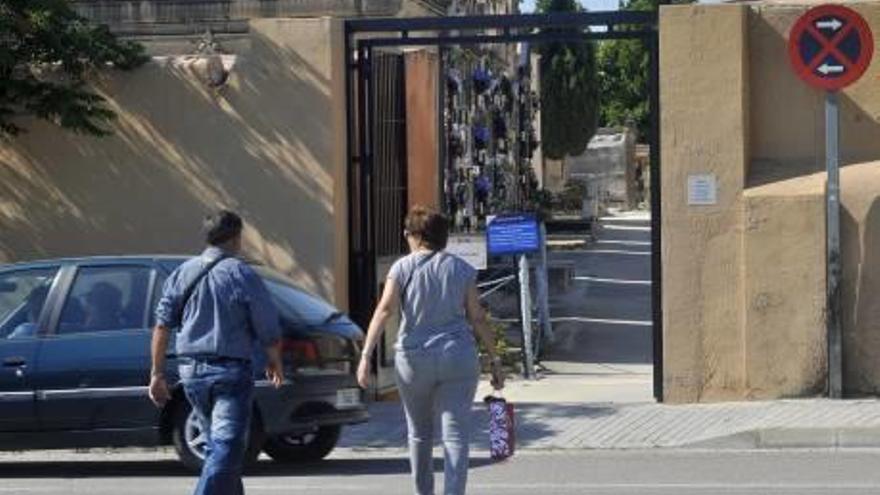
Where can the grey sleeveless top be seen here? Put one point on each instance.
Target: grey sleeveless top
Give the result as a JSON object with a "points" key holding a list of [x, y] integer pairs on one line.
{"points": [[433, 307]]}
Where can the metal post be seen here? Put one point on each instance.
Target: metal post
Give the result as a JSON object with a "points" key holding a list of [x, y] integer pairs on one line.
{"points": [[833, 322], [526, 315], [543, 290], [656, 221], [361, 302], [351, 171]]}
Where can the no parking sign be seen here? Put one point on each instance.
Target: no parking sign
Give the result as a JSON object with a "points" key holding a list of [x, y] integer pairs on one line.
{"points": [[830, 47]]}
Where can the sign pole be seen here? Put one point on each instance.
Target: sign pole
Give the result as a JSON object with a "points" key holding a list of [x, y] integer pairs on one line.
{"points": [[833, 317], [831, 47], [518, 234], [526, 314]]}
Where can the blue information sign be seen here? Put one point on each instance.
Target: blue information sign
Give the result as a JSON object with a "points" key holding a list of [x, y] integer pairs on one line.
{"points": [[513, 234]]}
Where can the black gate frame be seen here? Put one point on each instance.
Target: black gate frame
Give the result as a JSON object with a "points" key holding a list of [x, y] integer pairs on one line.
{"points": [[362, 36]]}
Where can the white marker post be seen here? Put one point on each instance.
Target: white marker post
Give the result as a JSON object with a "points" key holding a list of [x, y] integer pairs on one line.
{"points": [[542, 284], [526, 314]]}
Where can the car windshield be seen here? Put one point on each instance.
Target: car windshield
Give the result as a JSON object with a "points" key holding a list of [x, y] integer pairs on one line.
{"points": [[294, 304]]}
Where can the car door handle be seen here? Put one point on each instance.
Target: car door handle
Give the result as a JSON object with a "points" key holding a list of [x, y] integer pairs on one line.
{"points": [[14, 362]]}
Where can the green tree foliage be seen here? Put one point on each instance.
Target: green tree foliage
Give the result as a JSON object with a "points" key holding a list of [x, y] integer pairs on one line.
{"points": [[571, 198], [47, 51], [624, 72], [569, 90], [623, 78]]}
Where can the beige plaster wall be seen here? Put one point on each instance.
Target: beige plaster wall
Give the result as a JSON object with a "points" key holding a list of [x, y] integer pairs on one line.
{"points": [[270, 144], [702, 67], [785, 349], [788, 123], [788, 148], [744, 280]]}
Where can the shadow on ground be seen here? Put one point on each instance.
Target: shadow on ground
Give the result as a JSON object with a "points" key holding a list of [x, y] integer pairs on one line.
{"points": [[536, 423]]}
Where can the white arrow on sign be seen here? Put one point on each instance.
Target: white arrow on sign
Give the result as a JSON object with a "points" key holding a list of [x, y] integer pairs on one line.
{"points": [[834, 24], [830, 69]]}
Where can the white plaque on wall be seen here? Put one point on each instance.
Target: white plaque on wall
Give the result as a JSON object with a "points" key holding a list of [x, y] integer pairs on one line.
{"points": [[702, 189]]}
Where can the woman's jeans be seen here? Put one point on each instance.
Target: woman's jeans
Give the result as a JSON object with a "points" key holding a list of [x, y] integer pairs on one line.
{"points": [[221, 395], [443, 380]]}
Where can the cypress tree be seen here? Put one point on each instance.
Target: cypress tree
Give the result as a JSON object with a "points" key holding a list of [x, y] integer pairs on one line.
{"points": [[569, 90]]}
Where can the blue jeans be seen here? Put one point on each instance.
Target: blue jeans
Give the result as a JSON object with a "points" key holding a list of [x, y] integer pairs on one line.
{"points": [[221, 395], [440, 380]]}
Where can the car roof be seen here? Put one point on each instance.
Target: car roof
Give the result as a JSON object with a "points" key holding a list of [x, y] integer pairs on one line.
{"points": [[93, 259], [113, 259]]}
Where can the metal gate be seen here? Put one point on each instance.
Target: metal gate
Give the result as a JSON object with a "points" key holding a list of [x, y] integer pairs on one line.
{"points": [[374, 215]]}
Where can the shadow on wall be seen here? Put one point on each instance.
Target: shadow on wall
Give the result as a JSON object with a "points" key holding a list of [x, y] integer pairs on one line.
{"points": [[787, 141], [262, 145], [787, 117], [860, 240]]}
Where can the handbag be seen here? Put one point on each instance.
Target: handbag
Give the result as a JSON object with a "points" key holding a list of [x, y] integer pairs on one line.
{"points": [[502, 427]]}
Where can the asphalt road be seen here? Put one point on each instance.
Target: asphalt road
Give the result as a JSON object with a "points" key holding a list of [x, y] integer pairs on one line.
{"points": [[529, 473]]}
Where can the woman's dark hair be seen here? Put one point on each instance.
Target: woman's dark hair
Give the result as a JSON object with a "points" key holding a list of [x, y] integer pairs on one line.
{"points": [[221, 226], [430, 226]]}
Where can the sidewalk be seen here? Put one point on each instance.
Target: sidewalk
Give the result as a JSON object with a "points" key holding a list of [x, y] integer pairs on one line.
{"points": [[808, 423], [596, 391]]}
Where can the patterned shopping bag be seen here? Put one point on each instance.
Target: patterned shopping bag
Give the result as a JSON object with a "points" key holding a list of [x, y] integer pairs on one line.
{"points": [[502, 427]]}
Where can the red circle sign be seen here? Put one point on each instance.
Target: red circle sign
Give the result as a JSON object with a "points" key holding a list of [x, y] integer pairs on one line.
{"points": [[830, 47]]}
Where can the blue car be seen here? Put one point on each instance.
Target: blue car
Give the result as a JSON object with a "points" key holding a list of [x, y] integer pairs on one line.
{"points": [[74, 348]]}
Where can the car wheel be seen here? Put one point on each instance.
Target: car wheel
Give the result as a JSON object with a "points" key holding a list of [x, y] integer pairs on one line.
{"points": [[303, 448], [190, 441]]}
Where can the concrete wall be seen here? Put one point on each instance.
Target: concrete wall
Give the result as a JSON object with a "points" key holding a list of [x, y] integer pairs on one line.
{"points": [[269, 144], [607, 164], [787, 132], [702, 67], [554, 175], [181, 17], [744, 279], [784, 289], [860, 245]]}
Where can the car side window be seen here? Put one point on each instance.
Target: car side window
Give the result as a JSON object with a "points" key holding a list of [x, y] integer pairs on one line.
{"points": [[106, 298], [23, 294]]}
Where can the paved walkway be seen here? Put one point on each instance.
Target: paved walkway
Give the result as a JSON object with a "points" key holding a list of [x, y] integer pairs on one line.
{"points": [[813, 423], [596, 393], [602, 349]]}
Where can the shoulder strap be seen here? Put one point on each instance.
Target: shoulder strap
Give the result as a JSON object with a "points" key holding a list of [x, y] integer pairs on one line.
{"points": [[191, 286], [410, 277]]}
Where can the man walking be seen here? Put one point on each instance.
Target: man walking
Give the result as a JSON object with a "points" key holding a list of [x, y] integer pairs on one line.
{"points": [[223, 310]]}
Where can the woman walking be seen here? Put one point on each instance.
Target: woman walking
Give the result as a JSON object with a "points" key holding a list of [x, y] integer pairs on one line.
{"points": [[436, 363]]}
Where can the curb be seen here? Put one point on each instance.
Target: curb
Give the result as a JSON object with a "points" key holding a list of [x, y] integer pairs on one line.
{"points": [[795, 438]]}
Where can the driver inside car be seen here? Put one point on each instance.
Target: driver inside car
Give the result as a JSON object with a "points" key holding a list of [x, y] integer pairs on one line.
{"points": [[33, 306], [103, 307]]}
